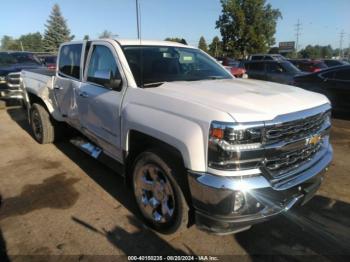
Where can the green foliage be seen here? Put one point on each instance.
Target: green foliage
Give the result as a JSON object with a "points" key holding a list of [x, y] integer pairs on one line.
{"points": [[317, 51], [106, 34], [32, 42], [8, 43], [247, 26], [86, 37], [57, 31], [176, 39], [202, 44], [215, 48]]}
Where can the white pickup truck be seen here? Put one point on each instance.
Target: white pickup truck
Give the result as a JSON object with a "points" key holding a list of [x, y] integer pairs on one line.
{"points": [[194, 143]]}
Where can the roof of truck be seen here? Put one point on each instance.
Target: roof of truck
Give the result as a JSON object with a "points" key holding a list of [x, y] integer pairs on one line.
{"points": [[125, 42]]}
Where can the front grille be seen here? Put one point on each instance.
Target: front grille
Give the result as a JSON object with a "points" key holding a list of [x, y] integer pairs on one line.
{"points": [[294, 130], [294, 135], [291, 160], [13, 80]]}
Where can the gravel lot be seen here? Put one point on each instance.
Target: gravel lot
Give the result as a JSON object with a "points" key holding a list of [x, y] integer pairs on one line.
{"points": [[56, 200]]}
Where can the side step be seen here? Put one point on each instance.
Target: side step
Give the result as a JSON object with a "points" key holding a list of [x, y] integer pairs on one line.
{"points": [[86, 146]]}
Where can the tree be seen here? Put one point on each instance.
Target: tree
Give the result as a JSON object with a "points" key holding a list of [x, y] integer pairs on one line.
{"points": [[8, 43], [248, 26], [56, 31], [106, 34], [32, 42], [318, 51], [86, 37], [215, 48], [176, 39], [202, 44]]}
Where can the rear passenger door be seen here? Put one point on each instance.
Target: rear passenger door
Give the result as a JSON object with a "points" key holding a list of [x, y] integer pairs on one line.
{"points": [[256, 70], [99, 102], [67, 80]]}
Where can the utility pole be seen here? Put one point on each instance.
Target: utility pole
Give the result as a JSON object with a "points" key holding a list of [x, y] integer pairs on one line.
{"points": [[21, 45], [138, 17], [297, 34], [342, 34]]}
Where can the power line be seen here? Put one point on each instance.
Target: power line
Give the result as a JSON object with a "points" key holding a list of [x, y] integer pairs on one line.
{"points": [[297, 35]]}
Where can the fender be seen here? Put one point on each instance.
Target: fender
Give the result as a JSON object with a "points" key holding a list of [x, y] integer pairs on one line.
{"points": [[43, 91], [181, 133]]}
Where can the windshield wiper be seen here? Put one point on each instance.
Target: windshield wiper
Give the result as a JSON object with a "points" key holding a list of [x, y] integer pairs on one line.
{"points": [[155, 84]]}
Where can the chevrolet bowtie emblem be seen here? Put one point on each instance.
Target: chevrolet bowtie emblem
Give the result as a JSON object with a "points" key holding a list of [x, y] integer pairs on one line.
{"points": [[314, 140]]}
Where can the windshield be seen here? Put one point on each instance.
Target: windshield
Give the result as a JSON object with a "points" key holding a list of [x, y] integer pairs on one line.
{"points": [[6, 59], [18, 58], [157, 64], [290, 67]]}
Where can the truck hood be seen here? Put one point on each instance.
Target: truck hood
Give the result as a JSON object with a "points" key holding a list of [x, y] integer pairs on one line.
{"points": [[245, 100]]}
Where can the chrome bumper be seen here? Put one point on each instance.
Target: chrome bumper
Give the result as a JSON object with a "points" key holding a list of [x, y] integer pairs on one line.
{"points": [[213, 196], [11, 94]]}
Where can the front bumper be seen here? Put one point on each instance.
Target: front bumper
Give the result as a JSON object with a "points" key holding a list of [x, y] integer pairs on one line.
{"points": [[11, 94], [213, 196]]}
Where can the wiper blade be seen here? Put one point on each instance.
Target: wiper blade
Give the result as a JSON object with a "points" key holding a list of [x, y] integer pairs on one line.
{"points": [[155, 84]]}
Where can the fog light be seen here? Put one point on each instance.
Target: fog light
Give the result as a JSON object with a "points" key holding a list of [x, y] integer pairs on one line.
{"points": [[239, 201]]}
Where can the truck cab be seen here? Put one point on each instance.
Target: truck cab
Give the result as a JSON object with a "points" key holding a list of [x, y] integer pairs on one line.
{"points": [[193, 142]]}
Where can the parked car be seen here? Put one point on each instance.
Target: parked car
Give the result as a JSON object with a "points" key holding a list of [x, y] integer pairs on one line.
{"points": [[235, 67], [307, 65], [49, 61], [334, 62], [11, 63], [333, 82], [274, 71], [276, 57], [193, 142]]}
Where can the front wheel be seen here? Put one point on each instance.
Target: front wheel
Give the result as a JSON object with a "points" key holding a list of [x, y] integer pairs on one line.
{"points": [[157, 193]]}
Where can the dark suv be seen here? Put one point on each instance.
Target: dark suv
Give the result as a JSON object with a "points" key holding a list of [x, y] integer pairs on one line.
{"points": [[274, 71], [11, 64]]}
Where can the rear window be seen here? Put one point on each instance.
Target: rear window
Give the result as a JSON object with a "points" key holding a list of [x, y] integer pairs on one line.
{"points": [[69, 62]]}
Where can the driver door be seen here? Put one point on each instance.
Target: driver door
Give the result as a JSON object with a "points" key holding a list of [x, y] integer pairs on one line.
{"points": [[99, 102]]}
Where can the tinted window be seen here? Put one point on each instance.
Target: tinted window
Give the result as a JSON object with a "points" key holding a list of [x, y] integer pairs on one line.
{"points": [[18, 58], [102, 63], [50, 59], [268, 58], [257, 57], [274, 68], [156, 64], [255, 66], [69, 63], [289, 67]]}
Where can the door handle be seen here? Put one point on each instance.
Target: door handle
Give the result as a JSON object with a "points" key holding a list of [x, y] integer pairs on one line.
{"points": [[83, 94], [57, 87]]}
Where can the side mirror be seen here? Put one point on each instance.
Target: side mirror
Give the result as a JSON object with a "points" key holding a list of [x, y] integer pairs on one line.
{"points": [[105, 78]]}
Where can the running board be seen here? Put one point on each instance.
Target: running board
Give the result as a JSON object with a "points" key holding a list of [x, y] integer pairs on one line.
{"points": [[86, 146]]}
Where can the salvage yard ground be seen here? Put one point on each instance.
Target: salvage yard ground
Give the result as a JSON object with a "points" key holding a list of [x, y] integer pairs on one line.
{"points": [[56, 200]]}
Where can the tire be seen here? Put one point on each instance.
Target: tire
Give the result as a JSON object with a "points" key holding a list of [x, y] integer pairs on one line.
{"points": [[42, 126], [154, 170]]}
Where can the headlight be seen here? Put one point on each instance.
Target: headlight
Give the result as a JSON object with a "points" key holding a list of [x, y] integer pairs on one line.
{"points": [[232, 146]]}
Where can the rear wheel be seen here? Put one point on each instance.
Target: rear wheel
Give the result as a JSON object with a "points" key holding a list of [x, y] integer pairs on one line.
{"points": [[157, 193], [42, 126]]}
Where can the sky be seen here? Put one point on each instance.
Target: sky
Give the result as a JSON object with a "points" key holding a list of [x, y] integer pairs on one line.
{"points": [[322, 20]]}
